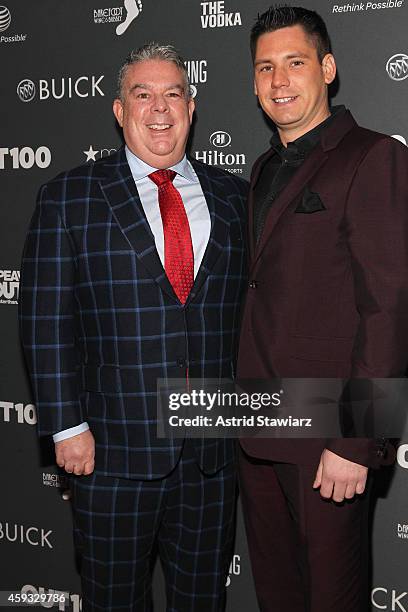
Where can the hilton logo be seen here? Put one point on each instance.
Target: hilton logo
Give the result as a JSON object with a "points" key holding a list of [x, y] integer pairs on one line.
{"points": [[232, 162], [397, 67], [220, 139]]}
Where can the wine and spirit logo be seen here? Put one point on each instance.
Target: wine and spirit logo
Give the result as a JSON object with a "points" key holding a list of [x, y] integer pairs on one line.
{"points": [[123, 16]]}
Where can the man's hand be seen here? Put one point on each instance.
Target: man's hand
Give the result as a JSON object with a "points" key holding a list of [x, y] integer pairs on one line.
{"points": [[77, 454], [339, 478]]}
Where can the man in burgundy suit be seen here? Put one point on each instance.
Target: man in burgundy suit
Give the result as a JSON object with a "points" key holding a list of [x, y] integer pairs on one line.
{"points": [[327, 297]]}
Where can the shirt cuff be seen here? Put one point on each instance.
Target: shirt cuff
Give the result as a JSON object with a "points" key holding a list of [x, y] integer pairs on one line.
{"points": [[69, 433]]}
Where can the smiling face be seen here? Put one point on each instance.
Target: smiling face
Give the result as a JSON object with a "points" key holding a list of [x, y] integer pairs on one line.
{"points": [[290, 81], [155, 112]]}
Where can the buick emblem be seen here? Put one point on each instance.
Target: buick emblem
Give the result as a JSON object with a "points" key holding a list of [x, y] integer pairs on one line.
{"points": [[397, 67], [26, 90]]}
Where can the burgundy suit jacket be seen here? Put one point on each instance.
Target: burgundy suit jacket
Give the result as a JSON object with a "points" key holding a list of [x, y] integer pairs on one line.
{"points": [[328, 290]]}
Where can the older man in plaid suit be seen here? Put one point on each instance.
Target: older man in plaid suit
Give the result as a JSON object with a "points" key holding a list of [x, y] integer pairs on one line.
{"points": [[132, 271]]}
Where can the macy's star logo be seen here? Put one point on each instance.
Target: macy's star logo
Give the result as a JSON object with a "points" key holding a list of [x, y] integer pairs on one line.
{"points": [[94, 154]]}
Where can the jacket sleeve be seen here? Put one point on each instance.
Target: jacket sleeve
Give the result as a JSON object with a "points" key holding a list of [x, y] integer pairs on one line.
{"points": [[47, 318], [377, 229]]}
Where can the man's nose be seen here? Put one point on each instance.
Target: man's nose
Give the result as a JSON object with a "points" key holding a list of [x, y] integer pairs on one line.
{"points": [[280, 78], [160, 104]]}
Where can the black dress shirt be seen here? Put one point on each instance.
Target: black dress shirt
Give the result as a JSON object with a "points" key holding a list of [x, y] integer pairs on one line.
{"points": [[281, 166]]}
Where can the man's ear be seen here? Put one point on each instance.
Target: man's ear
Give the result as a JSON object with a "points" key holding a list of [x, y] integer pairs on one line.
{"points": [[118, 111], [191, 108], [255, 88], [329, 68]]}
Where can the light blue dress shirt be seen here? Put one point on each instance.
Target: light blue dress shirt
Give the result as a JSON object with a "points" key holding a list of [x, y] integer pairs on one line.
{"points": [[198, 216]]}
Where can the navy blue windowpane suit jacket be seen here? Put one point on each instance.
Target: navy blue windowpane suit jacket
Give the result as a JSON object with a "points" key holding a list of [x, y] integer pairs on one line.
{"points": [[100, 322]]}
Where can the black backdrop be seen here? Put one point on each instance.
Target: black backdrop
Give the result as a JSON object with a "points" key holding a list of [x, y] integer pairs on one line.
{"points": [[58, 63]]}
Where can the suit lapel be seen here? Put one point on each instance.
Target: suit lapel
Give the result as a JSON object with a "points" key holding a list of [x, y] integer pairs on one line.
{"points": [[121, 194], [259, 164], [330, 138], [306, 171], [214, 193]]}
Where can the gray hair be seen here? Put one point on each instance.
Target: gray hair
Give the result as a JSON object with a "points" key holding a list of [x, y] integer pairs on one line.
{"points": [[153, 51]]}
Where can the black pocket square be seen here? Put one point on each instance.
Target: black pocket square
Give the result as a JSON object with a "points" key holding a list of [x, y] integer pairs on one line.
{"points": [[310, 203]]}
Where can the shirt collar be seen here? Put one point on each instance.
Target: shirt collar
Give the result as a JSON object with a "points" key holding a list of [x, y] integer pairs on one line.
{"points": [[301, 146], [141, 170]]}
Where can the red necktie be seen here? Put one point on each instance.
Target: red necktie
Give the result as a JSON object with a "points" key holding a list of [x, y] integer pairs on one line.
{"points": [[178, 248]]}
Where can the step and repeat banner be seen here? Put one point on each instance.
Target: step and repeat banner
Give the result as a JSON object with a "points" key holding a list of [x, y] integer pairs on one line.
{"points": [[59, 63]]}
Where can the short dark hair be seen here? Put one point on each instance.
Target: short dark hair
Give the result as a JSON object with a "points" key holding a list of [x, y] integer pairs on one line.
{"points": [[284, 16]]}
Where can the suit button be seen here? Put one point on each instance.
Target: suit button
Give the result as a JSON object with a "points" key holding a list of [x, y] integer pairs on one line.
{"points": [[253, 284], [380, 453], [181, 362]]}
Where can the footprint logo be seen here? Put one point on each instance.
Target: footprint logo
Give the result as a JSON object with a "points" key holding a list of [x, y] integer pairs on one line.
{"points": [[133, 8]]}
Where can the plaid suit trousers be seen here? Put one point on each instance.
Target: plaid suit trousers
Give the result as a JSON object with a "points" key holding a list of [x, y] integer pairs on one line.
{"points": [[120, 524]]}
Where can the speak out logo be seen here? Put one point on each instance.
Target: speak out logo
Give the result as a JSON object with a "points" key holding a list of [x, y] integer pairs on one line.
{"points": [[52, 598], [397, 67], [9, 286]]}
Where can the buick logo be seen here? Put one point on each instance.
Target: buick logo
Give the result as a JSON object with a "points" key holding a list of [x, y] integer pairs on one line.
{"points": [[400, 138], [5, 18], [397, 67], [26, 90], [220, 139]]}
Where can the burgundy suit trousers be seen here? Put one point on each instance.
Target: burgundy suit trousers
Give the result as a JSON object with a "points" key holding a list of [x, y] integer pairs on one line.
{"points": [[307, 554]]}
